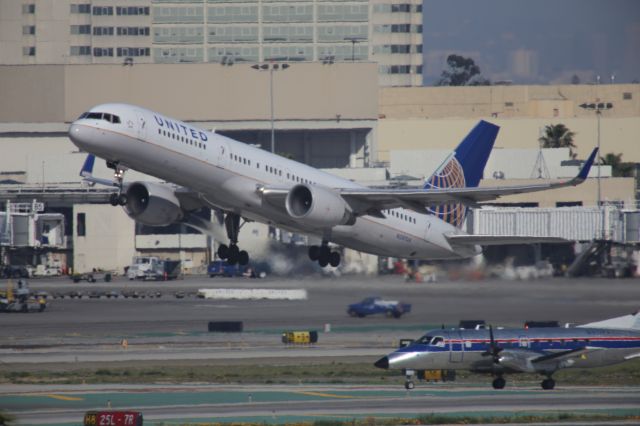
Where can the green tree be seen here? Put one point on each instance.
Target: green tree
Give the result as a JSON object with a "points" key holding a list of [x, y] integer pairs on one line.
{"points": [[461, 71], [618, 167], [558, 136]]}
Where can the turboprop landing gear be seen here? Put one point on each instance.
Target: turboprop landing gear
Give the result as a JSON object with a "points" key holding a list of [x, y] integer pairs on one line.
{"points": [[323, 255], [548, 383], [117, 198], [499, 383], [408, 383], [231, 253]]}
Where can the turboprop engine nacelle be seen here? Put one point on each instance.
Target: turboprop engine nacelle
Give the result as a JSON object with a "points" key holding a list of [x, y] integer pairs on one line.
{"points": [[318, 206], [152, 204]]}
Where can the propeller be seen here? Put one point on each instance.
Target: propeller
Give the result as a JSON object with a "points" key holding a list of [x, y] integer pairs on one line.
{"points": [[493, 350]]}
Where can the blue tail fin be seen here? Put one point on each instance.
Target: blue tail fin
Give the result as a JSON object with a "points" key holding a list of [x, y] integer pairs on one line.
{"points": [[87, 167], [463, 168]]}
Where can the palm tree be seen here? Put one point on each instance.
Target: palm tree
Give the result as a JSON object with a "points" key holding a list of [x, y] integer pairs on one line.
{"points": [[618, 167], [558, 136]]}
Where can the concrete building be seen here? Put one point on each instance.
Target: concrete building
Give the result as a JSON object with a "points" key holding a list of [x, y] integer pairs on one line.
{"points": [[217, 31]]}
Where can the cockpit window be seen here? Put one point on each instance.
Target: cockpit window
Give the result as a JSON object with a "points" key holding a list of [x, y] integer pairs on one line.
{"points": [[425, 339], [111, 118], [437, 341]]}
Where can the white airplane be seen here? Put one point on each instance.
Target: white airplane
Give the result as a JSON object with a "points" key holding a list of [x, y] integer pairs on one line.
{"points": [[239, 181]]}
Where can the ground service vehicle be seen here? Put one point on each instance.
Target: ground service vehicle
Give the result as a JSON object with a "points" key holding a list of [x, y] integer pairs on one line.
{"points": [[112, 418], [220, 268], [299, 337], [163, 270], [140, 265], [377, 305]]}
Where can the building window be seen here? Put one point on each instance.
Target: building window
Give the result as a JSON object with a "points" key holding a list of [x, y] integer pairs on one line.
{"points": [[29, 8], [28, 29], [132, 10], [81, 29], [80, 8], [133, 51], [80, 50], [103, 51], [29, 51], [102, 31], [81, 226], [103, 10], [133, 31], [627, 96]]}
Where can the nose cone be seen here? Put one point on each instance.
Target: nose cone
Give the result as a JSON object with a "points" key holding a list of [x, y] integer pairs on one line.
{"points": [[76, 133], [382, 363]]}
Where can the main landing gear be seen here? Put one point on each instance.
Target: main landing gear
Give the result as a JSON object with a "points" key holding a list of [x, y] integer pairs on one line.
{"points": [[323, 255], [548, 383], [117, 198], [231, 253], [499, 383]]}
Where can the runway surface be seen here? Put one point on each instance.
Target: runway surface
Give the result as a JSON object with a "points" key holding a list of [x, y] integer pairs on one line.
{"points": [[278, 404], [88, 332]]}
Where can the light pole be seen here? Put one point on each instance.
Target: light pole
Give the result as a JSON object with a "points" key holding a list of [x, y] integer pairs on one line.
{"points": [[353, 41], [598, 107], [271, 67]]}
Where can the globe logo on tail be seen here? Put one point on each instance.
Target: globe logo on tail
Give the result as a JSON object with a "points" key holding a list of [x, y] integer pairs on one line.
{"points": [[449, 176]]}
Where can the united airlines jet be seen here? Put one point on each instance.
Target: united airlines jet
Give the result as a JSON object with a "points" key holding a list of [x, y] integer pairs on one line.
{"points": [[243, 183]]}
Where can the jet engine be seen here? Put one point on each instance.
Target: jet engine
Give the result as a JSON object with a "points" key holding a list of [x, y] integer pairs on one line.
{"points": [[152, 204], [318, 207]]}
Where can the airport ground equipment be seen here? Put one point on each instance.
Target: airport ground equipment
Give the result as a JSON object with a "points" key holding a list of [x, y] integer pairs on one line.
{"points": [[377, 305], [20, 298], [299, 337], [164, 270], [220, 268], [92, 277]]}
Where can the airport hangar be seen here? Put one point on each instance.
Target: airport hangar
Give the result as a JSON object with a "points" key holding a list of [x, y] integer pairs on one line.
{"points": [[343, 122]]}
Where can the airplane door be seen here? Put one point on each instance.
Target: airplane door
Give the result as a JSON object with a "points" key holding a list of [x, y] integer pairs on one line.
{"points": [[456, 347], [222, 154], [142, 125]]}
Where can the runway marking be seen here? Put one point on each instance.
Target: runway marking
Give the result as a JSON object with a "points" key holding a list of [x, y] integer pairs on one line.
{"points": [[64, 398], [325, 395]]}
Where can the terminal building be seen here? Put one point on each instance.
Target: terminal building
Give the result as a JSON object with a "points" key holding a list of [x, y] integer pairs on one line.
{"points": [[334, 116]]}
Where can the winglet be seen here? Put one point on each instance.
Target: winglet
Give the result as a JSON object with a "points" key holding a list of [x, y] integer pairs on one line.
{"points": [[87, 167], [584, 171]]}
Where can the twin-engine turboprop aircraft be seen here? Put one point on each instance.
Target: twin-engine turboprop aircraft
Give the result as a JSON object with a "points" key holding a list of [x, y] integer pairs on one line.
{"points": [[239, 181], [520, 350]]}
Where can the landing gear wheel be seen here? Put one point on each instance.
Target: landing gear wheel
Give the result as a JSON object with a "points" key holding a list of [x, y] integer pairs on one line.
{"points": [[113, 199], [314, 253], [223, 251], [234, 254], [323, 261], [499, 383], [408, 385], [122, 199], [243, 258], [334, 259], [548, 384]]}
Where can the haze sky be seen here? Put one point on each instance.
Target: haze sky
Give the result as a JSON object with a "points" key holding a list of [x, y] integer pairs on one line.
{"points": [[535, 41]]}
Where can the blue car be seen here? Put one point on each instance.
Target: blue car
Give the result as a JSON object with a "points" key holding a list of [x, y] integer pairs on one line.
{"points": [[377, 305]]}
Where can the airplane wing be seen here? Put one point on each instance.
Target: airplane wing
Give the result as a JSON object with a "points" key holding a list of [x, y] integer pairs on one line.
{"points": [[369, 201], [498, 240], [528, 361]]}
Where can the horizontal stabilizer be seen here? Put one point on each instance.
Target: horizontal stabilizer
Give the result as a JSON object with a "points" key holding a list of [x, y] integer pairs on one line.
{"points": [[499, 240], [625, 322]]}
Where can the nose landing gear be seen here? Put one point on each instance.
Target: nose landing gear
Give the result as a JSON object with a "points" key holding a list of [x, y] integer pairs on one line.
{"points": [[117, 198]]}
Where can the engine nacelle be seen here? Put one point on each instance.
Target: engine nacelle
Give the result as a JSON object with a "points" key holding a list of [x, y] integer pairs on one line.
{"points": [[152, 204], [318, 207]]}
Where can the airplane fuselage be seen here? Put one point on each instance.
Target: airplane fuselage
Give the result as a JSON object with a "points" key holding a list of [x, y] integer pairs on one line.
{"points": [[467, 349], [230, 175]]}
